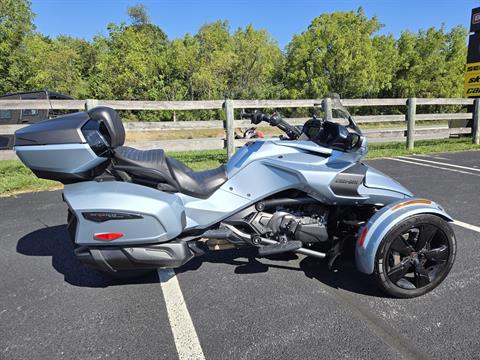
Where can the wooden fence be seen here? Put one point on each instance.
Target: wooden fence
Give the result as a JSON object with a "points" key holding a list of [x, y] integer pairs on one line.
{"points": [[410, 117]]}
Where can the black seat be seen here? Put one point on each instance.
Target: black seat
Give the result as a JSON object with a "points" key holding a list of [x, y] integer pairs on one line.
{"points": [[152, 166], [197, 183]]}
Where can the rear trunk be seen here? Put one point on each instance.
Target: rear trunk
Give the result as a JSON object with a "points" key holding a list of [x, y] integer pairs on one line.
{"points": [[70, 148]]}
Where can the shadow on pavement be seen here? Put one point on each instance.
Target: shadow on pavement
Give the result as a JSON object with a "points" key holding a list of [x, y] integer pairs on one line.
{"points": [[244, 259], [346, 278], [55, 242], [245, 262]]}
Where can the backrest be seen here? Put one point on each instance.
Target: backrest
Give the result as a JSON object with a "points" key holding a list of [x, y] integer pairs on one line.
{"points": [[112, 122]]}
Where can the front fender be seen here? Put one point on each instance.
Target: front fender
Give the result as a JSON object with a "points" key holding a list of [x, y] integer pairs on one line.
{"points": [[383, 221]]}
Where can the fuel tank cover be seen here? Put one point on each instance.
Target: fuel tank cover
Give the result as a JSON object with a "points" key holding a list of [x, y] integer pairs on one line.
{"points": [[377, 180]]}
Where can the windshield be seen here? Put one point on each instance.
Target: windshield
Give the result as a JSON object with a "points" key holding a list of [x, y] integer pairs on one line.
{"points": [[334, 111]]}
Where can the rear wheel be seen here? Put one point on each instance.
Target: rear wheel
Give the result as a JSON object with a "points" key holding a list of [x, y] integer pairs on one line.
{"points": [[415, 256]]}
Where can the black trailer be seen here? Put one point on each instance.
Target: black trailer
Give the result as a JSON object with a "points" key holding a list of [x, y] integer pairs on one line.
{"points": [[26, 116]]}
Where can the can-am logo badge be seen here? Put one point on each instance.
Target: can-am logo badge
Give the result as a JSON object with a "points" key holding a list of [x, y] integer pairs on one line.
{"points": [[98, 216], [349, 180]]}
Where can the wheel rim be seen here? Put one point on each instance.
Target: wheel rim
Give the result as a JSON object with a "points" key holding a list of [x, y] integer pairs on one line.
{"points": [[418, 257]]}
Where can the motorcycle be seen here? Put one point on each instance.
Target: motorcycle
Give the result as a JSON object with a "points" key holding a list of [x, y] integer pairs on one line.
{"points": [[131, 211], [250, 133]]}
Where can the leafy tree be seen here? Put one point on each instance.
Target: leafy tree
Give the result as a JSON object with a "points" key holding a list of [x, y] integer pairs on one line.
{"points": [[338, 52], [215, 61], [431, 63], [387, 60], [138, 14], [182, 56], [16, 22], [59, 64], [258, 65], [128, 63]]}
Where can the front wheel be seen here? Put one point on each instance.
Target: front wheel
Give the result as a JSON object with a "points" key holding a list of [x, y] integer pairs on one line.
{"points": [[415, 256]]}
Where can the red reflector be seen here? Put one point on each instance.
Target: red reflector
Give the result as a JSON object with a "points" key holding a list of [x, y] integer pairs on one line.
{"points": [[108, 236], [362, 237]]}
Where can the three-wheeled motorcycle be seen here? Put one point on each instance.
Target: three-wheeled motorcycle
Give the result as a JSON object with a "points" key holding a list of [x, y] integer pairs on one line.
{"points": [[131, 211]]}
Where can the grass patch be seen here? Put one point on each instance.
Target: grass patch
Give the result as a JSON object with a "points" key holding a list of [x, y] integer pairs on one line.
{"points": [[155, 135], [377, 150], [16, 178], [201, 159]]}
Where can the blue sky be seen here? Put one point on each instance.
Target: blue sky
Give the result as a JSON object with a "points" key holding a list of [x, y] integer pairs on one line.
{"points": [[86, 18]]}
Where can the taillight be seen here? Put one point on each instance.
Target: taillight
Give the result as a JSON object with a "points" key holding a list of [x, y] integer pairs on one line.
{"points": [[108, 236], [362, 237]]}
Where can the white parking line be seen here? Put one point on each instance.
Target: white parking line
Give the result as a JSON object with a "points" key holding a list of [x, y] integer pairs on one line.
{"points": [[433, 156], [436, 157], [439, 163], [184, 334], [466, 226], [432, 166]]}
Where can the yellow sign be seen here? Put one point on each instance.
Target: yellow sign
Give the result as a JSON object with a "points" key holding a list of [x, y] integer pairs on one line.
{"points": [[471, 83]]}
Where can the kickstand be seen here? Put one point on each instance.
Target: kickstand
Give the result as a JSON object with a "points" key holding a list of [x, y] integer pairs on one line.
{"points": [[334, 254]]}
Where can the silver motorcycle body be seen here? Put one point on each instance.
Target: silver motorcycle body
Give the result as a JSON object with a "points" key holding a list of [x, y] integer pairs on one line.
{"points": [[131, 209]]}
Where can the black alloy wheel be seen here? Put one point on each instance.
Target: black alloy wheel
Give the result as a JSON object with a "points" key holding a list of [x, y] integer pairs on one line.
{"points": [[415, 256]]}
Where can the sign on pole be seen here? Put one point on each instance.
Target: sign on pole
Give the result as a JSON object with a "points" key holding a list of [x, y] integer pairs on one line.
{"points": [[472, 69]]}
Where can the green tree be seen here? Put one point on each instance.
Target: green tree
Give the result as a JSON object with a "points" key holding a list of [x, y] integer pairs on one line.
{"points": [[216, 58], [339, 52], [258, 65], [431, 63], [138, 14], [182, 56], [59, 64], [129, 62], [16, 22]]}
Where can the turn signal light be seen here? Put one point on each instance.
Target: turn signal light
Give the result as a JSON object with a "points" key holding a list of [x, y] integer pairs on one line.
{"points": [[362, 237], [108, 236], [411, 202]]}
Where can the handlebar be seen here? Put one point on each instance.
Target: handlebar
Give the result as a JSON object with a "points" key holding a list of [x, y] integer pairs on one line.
{"points": [[274, 120], [256, 117]]}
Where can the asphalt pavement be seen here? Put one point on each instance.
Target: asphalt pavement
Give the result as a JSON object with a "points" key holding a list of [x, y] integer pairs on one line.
{"points": [[241, 307]]}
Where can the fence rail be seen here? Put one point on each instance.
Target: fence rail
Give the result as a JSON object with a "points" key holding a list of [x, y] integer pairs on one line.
{"points": [[410, 117]]}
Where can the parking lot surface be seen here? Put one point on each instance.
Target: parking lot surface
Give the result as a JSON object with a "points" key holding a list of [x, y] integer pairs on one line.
{"points": [[239, 306]]}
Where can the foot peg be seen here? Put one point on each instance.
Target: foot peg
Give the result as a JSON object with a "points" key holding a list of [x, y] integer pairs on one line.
{"points": [[279, 248]]}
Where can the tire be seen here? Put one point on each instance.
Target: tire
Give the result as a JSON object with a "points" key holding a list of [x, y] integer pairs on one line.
{"points": [[428, 270]]}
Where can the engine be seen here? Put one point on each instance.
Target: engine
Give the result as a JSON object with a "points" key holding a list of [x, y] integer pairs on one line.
{"points": [[307, 228]]}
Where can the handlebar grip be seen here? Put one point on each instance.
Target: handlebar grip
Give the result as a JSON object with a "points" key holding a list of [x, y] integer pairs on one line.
{"points": [[245, 115], [256, 117]]}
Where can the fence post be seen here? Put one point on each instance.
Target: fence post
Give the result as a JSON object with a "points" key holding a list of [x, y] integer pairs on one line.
{"points": [[476, 122], [410, 118], [229, 127], [327, 108], [90, 104]]}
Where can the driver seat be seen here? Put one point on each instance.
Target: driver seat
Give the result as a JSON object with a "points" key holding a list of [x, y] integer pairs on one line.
{"points": [[155, 168], [151, 167]]}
